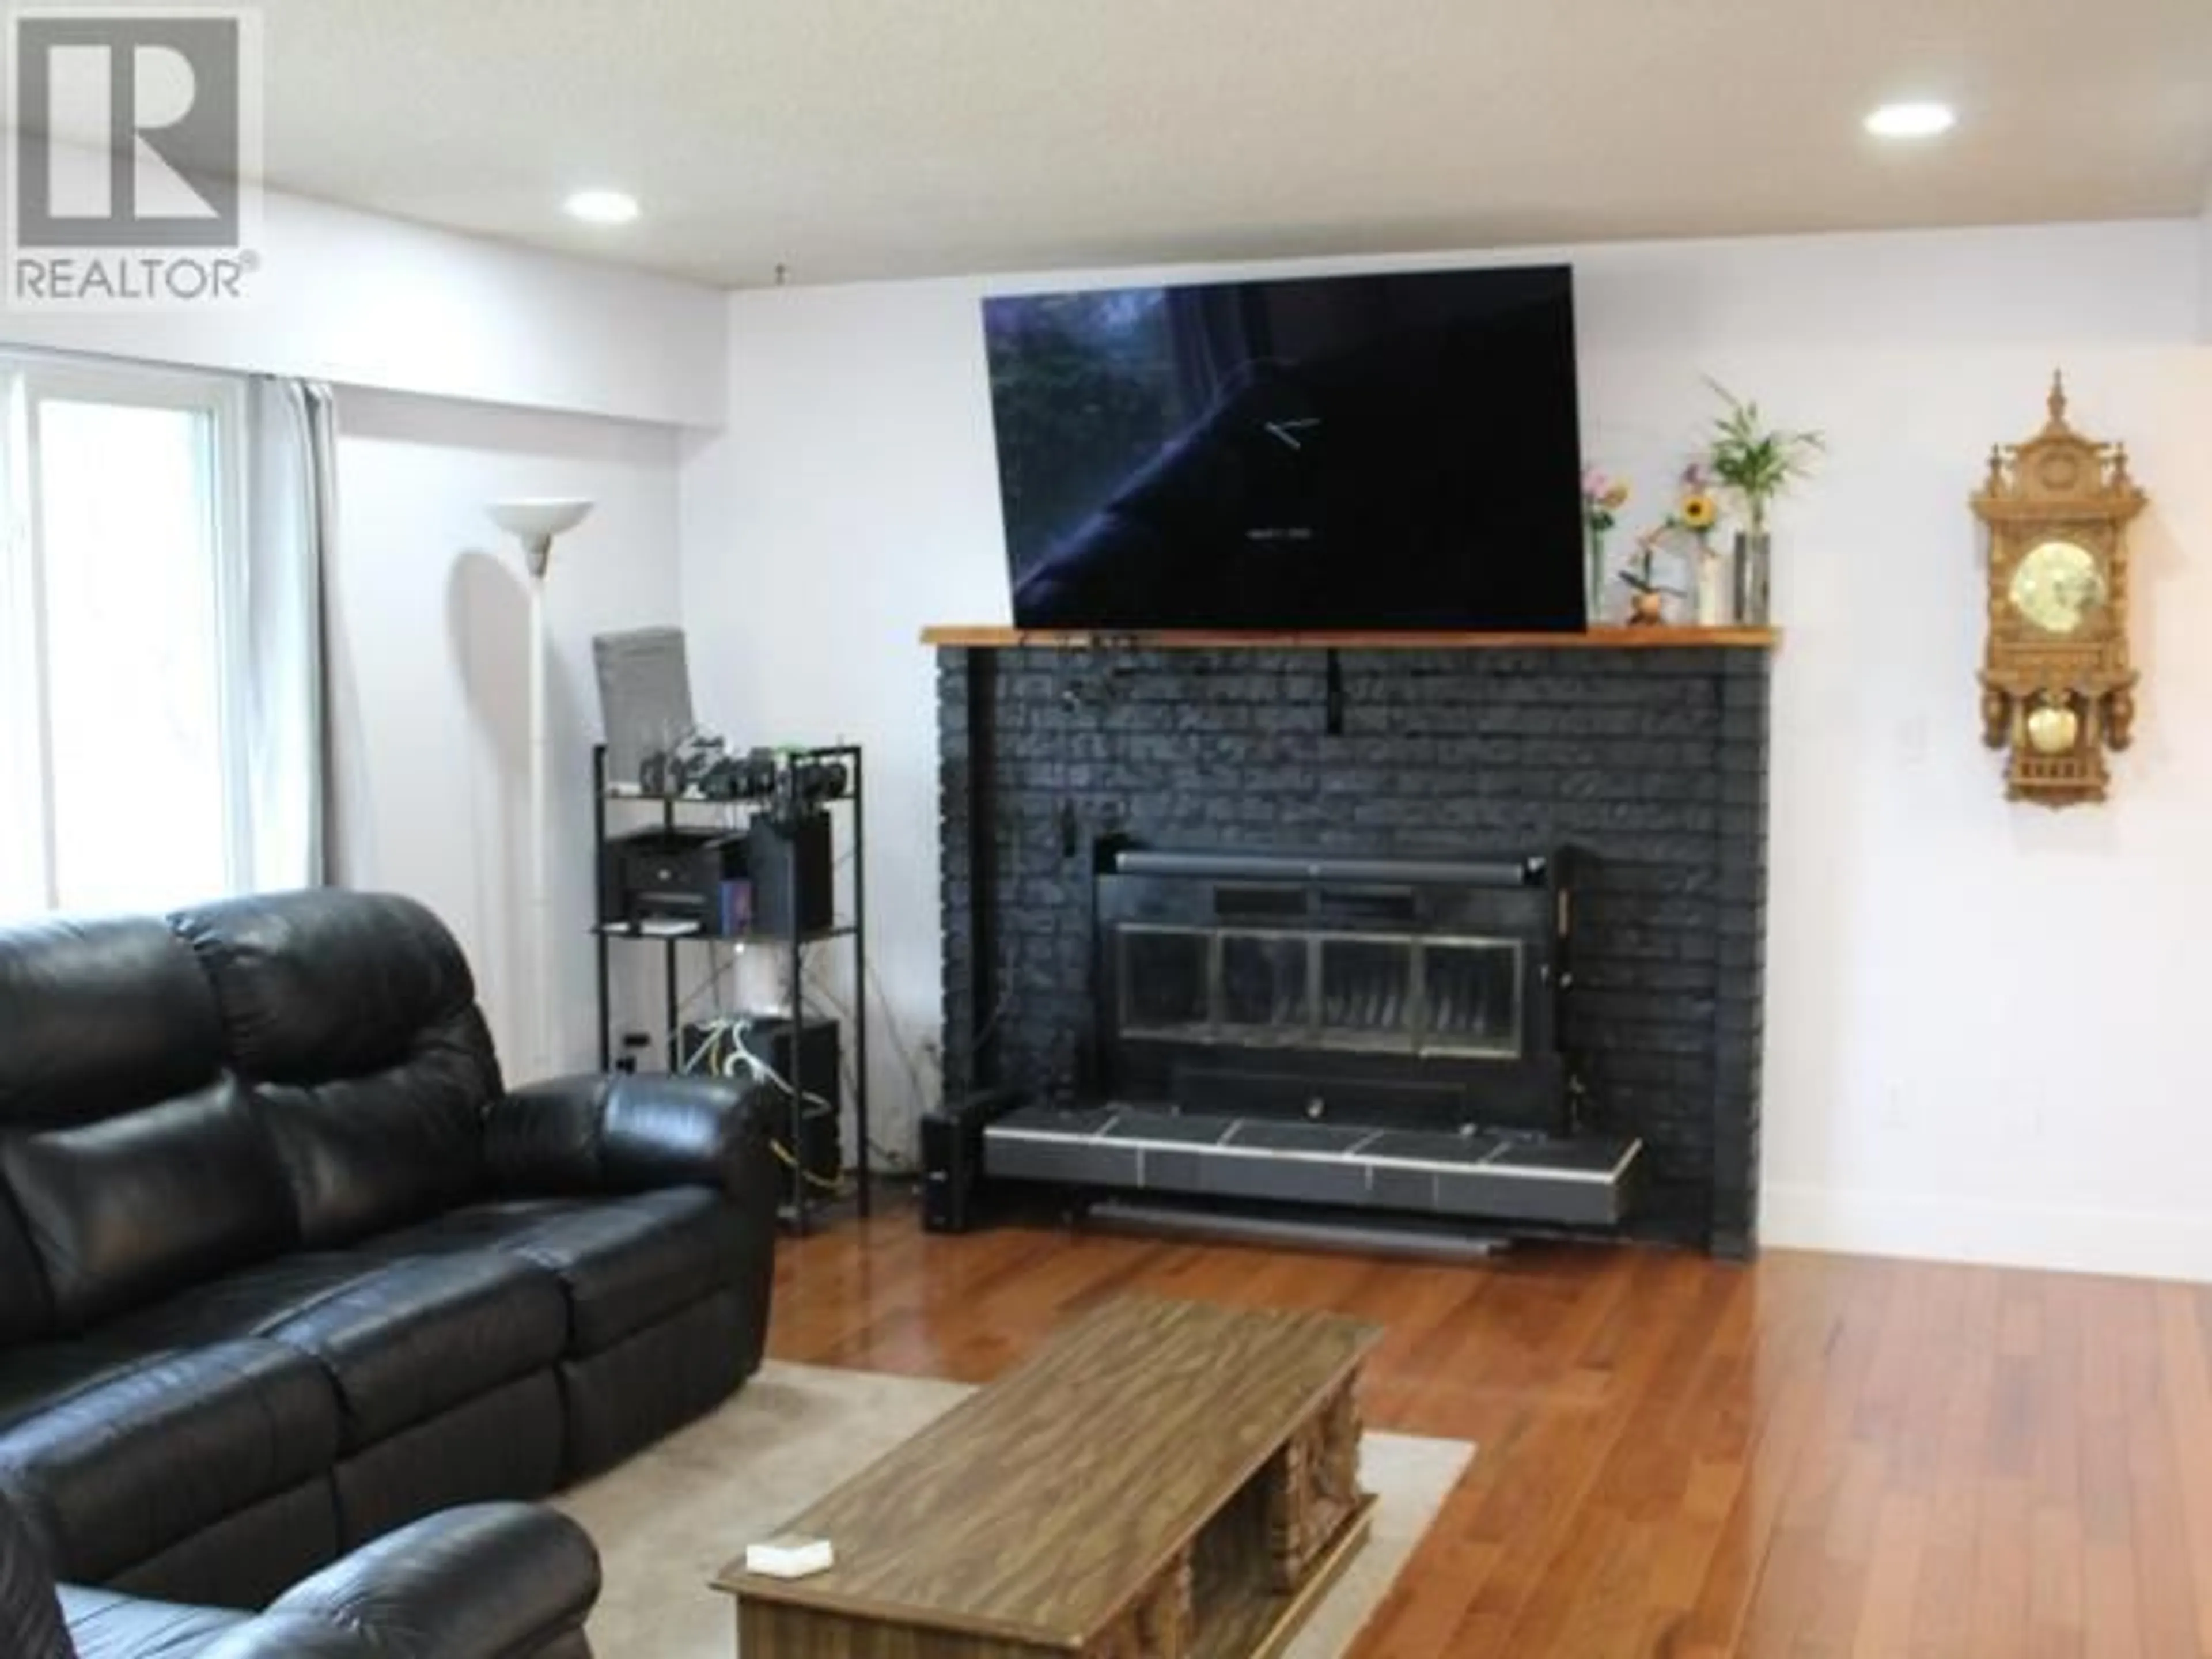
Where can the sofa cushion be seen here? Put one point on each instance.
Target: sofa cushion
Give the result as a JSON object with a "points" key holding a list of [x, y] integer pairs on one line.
{"points": [[109, 1625], [400, 1340], [126, 1464], [324, 984], [507, 1443], [122, 1210], [104, 1017], [367, 1153], [354, 1016], [248, 1557], [420, 1336], [624, 1263], [245, 1303], [38, 1377]]}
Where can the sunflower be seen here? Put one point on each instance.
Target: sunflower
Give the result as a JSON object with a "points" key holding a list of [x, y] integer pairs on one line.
{"points": [[1698, 511]]}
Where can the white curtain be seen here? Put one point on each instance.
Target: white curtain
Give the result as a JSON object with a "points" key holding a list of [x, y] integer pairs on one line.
{"points": [[291, 526]]}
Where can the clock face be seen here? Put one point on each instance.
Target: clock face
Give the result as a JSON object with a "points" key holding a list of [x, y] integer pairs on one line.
{"points": [[2057, 586]]}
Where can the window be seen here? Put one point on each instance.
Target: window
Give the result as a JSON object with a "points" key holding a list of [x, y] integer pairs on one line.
{"points": [[123, 639]]}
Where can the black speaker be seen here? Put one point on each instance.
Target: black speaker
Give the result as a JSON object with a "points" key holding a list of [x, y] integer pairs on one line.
{"points": [[788, 861], [954, 1196]]}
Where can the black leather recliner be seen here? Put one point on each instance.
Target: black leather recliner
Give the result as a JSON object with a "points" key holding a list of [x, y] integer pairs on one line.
{"points": [[496, 1581], [284, 1267]]}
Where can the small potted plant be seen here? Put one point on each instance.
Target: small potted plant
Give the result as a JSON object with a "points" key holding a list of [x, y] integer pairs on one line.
{"points": [[1647, 606], [1755, 463]]}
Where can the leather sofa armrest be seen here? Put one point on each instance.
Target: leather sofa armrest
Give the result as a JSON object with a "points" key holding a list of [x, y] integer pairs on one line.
{"points": [[492, 1581], [628, 1132]]}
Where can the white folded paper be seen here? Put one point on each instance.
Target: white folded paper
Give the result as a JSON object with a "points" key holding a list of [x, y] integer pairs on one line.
{"points": [[789, 1557]]}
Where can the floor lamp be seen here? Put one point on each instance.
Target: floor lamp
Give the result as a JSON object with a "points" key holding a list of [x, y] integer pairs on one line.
{"points": [[535, 524]]}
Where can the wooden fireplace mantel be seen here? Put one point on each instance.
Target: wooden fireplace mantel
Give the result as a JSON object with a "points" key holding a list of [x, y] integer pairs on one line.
{"points": [[1596, 639]]}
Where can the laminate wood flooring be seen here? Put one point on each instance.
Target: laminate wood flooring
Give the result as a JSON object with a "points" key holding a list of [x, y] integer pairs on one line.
{"points": [[1816, 1455]]}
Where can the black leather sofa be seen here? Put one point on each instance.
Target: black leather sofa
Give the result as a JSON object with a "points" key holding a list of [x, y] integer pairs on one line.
{"points": [[494, 1581], [283, 1266]]}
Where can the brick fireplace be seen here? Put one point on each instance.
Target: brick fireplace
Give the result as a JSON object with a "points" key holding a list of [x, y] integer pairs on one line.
{"points": [[1648, 759]]}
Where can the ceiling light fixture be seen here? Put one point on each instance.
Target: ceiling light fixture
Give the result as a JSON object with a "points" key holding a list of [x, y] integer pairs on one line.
{"points": [[602, 207], [1911, 120]]}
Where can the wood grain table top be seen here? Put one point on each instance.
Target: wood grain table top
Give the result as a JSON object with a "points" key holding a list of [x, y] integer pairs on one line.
{"points": [[1039, 1508]]}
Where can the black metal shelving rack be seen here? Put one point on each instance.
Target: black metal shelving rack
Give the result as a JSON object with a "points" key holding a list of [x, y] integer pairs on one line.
{"points": [[801, 1211]]}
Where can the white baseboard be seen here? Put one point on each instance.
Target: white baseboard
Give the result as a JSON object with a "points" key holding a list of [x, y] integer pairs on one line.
{"points": [[2169, 1244]]}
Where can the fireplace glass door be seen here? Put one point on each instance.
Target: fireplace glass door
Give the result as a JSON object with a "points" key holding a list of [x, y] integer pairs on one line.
{"points": [[1371, 992]]}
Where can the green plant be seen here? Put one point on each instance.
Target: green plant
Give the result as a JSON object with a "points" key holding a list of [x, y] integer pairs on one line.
{"points": [[1758, 463]]}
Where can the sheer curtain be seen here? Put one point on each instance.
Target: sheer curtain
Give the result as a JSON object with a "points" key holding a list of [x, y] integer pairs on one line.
{"points": [[291, 525], [161, 661]]}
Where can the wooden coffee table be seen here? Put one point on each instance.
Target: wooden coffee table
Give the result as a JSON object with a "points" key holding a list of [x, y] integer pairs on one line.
{"points": [[1162, 1480]]}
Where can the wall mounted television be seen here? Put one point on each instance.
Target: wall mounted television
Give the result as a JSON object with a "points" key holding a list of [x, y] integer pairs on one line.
{"points": [[1377, 453]]}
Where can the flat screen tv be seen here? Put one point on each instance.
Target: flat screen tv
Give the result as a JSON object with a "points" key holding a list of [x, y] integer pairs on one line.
{"points": [[1374, 452]]}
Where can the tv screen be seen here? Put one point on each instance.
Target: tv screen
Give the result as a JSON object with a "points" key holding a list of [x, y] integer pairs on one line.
{"points": [[1388, 452]]}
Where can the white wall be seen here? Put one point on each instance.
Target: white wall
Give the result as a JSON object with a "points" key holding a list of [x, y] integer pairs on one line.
{"points": [[1982, 1034], [351, 297], [828, 521], [428, 670]]}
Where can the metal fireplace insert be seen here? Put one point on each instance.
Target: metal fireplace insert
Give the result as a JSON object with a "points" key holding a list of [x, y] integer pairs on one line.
{"points": [[1407, 995], [1357, 1033]]}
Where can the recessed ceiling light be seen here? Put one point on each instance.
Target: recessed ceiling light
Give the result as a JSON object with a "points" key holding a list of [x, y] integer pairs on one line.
{"points": [[1911, 120], [602, 207]]}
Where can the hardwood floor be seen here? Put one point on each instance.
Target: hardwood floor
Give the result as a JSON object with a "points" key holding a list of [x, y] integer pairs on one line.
{"points": [[1818, 1456]]}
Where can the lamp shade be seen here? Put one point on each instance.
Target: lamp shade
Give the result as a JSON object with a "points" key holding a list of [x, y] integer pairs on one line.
{"points": [[536, 521], [540, 518]]}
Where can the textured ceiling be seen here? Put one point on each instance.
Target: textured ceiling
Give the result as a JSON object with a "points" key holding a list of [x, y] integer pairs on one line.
{"points": [[858, 138]]}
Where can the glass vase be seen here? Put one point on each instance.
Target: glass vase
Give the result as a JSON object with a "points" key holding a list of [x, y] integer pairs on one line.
{"points": [[1754, 566], [1594, 586], [1710, 572]]}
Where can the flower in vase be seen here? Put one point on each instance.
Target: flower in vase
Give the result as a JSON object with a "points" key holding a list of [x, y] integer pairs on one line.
{"points": [[1602, 499], [1698, 511]]}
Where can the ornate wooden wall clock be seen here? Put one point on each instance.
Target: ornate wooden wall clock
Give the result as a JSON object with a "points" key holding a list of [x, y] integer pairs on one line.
{"points": [[2057, 687]]}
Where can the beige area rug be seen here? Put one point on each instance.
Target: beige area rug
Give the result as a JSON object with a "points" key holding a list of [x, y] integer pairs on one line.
{"points": [[667, 1520]]}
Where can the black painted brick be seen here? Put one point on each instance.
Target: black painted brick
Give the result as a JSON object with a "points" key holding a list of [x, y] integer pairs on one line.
{"points": [[1652, 763]]}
